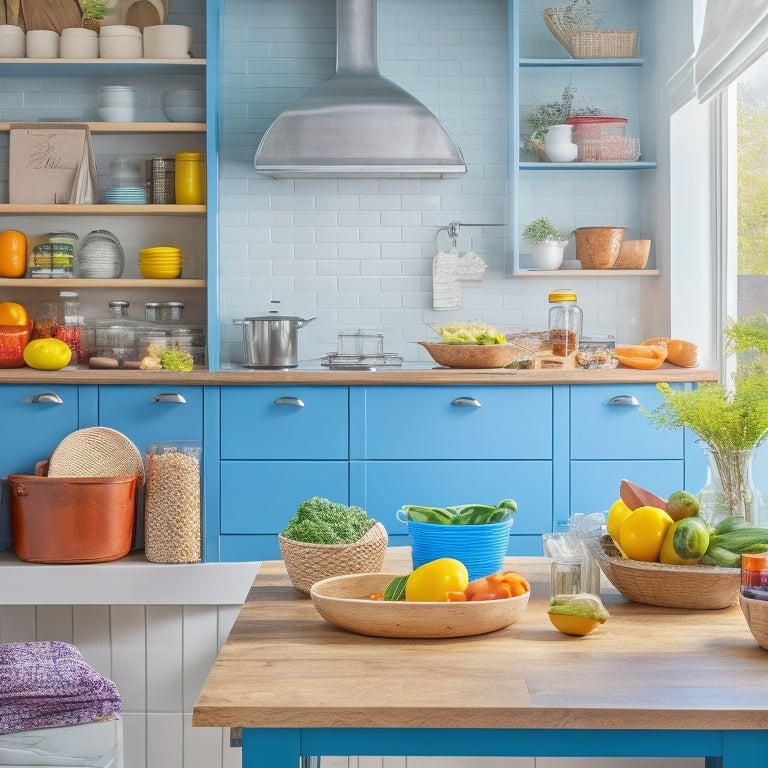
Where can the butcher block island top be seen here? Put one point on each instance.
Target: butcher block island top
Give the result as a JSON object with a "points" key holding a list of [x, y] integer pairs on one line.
{"points": [[284, 667], [415, 374]]}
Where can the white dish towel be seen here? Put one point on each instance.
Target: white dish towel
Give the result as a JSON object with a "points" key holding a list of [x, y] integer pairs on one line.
{"points": [[449, 270]]}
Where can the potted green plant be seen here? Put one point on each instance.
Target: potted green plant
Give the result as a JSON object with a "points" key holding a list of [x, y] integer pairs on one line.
{"points": [[94, 12], [730, 421], [547, 242]]}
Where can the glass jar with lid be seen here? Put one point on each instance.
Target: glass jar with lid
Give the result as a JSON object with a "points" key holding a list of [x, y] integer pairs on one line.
{"points": [[565, 323], [100, 256]]}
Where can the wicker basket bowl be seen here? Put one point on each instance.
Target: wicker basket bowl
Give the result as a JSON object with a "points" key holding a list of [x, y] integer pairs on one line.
{"points": [[598, 247], [309, 563], [669, 586], [590, 43], [472, 355], [756, 614], [633, 254]]}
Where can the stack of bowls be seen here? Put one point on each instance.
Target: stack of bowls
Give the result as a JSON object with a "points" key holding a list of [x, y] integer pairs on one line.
{"points": [[117, 104], [120, 41], [160, 263], [184, 105]]}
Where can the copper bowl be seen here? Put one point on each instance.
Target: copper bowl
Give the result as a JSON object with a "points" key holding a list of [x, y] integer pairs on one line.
{"points": [[598, 247]]}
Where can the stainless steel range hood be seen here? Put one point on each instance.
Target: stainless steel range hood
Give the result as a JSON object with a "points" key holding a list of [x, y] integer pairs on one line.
{"points": [[357, 123]]}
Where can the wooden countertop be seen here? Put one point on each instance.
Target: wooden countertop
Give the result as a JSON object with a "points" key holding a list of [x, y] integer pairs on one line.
{"points": [[283, 666], [397, 376]]}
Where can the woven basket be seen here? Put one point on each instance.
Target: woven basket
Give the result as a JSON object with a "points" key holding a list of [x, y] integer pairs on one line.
{"points": [[96, 452], [471, 355], [589, 43], [669, 586], [756, 614], [308, 563]]}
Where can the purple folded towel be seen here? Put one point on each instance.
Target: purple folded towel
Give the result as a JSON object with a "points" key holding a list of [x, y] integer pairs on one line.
{"points": [[46, 684]]}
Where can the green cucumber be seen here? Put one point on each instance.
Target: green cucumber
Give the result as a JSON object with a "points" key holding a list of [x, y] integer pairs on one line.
{"points": [[728, 524]]}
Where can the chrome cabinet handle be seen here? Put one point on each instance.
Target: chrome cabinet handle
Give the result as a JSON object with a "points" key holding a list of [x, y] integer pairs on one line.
{"points": [[623, 400], [470, 401], [168, 397], [44, 397], [298, 402]]}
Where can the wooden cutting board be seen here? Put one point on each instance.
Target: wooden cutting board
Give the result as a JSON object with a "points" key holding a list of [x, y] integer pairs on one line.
{"points": [[142, 14], [51, 14]]}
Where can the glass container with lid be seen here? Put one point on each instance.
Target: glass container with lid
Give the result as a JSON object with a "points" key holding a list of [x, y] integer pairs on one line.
{"points": [[100, 256], [113, 339], [565, 322]]}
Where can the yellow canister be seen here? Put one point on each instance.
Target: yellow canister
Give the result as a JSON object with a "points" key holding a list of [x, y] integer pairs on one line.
{"points": [[190, 178]]}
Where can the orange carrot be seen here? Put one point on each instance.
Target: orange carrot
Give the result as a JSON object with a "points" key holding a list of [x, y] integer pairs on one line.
{"points": [[497, 586]]}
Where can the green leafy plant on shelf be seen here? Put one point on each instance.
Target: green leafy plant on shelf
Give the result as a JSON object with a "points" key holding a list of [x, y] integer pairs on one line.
{"points": [[95, 9], [542, 230], [554, 113]]}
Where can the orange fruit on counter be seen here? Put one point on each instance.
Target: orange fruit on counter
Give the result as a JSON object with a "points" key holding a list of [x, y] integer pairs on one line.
{"points": [[646, 357], [13, 253], [12, 313], [573, 625], [642, 533], [679, 352]]}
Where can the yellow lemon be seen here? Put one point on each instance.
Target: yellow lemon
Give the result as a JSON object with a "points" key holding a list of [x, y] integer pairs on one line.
{"points": [[617, 514], [47, 354], [430, 582], [642, 533]]}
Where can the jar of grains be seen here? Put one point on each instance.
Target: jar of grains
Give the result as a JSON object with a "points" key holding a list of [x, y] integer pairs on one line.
{"points": [[172, 503], [565, 319]]}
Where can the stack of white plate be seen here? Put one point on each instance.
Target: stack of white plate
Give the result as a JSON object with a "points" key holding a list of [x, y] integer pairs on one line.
{"points": [[117, 103], [118, 195]]}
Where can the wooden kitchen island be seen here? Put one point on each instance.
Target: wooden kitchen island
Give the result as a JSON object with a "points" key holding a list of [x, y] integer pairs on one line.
{"points": [[651, 682]]}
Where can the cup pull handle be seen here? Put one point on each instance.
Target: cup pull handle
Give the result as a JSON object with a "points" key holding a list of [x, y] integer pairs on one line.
{"points": [[467, 401], [44, 397], [168, 397], [298, 402], [624, 400]]}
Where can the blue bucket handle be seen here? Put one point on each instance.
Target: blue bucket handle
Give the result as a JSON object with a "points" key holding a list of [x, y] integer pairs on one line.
{"points": [[402, 516]]}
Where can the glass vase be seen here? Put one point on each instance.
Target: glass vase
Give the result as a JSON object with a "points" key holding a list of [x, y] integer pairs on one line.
{"points": [[730, 490]]}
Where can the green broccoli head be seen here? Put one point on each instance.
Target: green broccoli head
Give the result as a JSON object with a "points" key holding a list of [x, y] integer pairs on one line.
{"points": [[320, 521], [175, 359]]}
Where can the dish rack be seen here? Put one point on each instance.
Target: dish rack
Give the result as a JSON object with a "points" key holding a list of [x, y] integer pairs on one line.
{"points": [[591, 43], [360, 350]]}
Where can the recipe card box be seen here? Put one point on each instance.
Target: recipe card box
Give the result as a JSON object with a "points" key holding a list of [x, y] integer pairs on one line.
{"points": [[44, 160]]}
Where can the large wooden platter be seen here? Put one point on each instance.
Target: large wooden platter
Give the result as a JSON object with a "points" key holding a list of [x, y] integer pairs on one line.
{"points": [[345, 601]]}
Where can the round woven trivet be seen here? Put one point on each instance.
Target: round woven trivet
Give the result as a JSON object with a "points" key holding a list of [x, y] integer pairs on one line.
{"points": [[96, 452]]}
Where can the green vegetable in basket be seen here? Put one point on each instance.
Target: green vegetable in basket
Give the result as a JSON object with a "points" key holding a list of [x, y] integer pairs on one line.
{"points": [[470, 333], [463, 514], [320, 521]]}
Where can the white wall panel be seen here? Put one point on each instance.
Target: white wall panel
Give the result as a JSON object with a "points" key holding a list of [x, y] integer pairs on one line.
{"points": [[129, 655], [201, 647], [18, 623], [202, 746], [165, 740], [54, 622], [91, 634], [135, 740], [164, 657]]}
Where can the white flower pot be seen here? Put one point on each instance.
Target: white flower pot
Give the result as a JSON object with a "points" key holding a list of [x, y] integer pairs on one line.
{"points": [[558, 144], [549, 254]]}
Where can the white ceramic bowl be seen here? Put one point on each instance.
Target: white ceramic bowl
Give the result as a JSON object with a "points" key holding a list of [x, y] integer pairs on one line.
{"points": [[42, 44], [124, 114], [185, 114], [167, 41], [127, 46], [12, 42], [185, 97], [79, 43], [119, 30]]}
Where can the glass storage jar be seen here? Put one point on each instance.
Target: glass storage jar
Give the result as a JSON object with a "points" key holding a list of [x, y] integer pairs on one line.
{"points": [[100, 256], [565, 322]]}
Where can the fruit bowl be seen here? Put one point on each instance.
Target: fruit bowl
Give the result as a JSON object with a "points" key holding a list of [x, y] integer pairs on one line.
{"points": [[756, 614], [668, 586], [345, 601], [472, 355]]}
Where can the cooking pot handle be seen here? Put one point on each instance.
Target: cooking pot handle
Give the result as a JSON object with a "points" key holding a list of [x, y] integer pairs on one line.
{"points": [[238, 322], [302, 323]]}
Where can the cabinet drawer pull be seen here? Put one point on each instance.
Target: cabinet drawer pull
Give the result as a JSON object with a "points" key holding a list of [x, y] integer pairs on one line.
{"points": [[298, 402], [44, 397], [472, 401], [168, 397], [623, 400]]}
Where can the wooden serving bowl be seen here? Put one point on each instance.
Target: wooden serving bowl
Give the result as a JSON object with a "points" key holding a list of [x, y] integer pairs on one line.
{"points": [[471, 355], [669, 586], [346, 602], [756, 614]]}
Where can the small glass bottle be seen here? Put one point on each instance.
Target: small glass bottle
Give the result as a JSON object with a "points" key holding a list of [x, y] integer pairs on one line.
{"points": [[565, 321], [754, 576], [69, 324], [190, 178]]}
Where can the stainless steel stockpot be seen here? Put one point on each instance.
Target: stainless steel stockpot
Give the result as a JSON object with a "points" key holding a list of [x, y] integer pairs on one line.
{"points": [[271, 341]]}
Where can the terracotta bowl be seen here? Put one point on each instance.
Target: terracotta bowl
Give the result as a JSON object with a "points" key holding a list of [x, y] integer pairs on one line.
{"points": [[633, 254], [598, 247]]}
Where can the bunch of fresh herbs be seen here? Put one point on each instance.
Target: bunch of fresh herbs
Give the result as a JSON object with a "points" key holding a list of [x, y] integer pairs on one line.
{"points": [[541, 230]]}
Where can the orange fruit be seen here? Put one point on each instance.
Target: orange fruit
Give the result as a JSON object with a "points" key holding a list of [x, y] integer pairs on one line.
{"points": [[645, 357], [574, 625], [12, 313], [13, 253]]}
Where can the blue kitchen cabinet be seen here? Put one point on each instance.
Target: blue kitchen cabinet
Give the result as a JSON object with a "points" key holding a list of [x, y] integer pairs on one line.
{"points": [[445, 445], [611, 439], [280, 445], [34, 418]]}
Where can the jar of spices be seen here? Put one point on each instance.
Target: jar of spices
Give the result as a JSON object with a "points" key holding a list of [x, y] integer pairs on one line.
{"points": [[565, 321], [754, 576], [190, 178], [69, 323]]}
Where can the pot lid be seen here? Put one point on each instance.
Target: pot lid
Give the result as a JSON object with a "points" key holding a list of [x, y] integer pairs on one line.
{"points": [[276, 316]]}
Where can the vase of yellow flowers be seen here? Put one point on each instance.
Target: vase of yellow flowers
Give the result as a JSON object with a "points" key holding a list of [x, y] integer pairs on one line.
{"points": [[731, 422]]}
